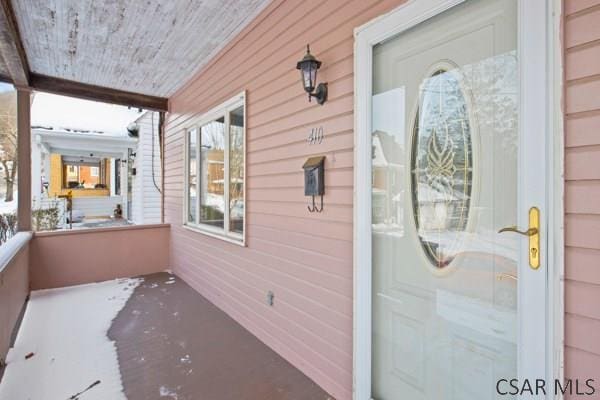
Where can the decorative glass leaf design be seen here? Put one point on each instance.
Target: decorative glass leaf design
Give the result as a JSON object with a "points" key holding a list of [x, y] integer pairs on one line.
{"points": [[441, 166]]}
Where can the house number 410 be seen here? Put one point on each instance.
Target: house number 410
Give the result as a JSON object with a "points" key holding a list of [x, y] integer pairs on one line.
{"points": [[316, 135]]}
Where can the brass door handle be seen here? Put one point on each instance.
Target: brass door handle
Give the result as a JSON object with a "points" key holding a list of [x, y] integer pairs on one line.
{"points": [[534, 236], [528, 232], [502, 276]]}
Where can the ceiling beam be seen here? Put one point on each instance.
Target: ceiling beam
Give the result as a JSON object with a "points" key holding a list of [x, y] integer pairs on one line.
{"points": [[11, 46], [96, 93]]}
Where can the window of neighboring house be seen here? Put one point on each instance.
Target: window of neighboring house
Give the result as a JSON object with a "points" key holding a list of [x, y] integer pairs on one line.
{"points": [[215, 171], [84, 175]]}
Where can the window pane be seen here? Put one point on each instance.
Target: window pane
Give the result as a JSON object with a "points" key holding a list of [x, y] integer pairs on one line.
{"points": [[212, 155], [192, 140], [236, 170]]}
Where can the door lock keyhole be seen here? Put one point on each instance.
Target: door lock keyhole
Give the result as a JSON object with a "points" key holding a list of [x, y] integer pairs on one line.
{"points": [[534, 252]]}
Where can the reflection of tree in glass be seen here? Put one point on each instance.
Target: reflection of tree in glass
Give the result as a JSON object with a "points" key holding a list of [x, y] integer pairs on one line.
{"points": [[494, 86], [212, 145], [236, 169], [236, 158]]}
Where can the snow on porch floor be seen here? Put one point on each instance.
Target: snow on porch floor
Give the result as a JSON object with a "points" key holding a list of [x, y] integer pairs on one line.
{"points": [[148, 338], [62, 347]]}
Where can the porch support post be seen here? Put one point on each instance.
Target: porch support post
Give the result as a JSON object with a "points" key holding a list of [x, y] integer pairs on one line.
{"points": [[24, 158]]}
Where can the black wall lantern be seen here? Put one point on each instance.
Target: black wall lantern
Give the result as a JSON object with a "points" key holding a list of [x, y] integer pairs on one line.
{"points": [[308, 67]]}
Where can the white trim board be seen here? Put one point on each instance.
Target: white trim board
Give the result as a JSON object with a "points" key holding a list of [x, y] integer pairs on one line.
{"points": [[539, 41]]}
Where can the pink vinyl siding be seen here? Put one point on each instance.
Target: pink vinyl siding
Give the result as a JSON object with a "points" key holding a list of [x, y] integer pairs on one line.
{"points": [[304, 258], [582, 189]]}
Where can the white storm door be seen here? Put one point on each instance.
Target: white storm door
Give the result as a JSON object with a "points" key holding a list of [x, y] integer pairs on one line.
{"points": [[450, 150]]}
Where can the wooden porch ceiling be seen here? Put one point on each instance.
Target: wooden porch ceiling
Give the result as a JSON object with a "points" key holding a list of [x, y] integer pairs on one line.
{"points": [[120, 51]]}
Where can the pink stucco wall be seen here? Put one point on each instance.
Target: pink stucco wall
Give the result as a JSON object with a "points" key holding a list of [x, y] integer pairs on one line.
{"points": [[14, 286], [304, 258], [582, 187], [66, 258]]}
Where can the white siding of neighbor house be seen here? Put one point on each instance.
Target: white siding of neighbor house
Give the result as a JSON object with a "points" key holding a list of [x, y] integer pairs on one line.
{"points": [[145, 195]]}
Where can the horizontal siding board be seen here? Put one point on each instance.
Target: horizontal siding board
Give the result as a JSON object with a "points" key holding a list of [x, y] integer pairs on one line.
{"points": [[583, 131], [581, 163], [573, 6], [582, 365], [582, 96], [583, 62], [582, 197], [583, 265], [577, 333], [582, 230], [582, 28], [581, 298]]}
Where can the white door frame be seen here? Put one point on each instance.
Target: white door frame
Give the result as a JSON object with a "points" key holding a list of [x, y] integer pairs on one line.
{"points": [[540, 335]]}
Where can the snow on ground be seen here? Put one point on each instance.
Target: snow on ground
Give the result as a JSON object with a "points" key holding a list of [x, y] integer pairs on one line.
{"points": [[8, 206], [66, 330]]}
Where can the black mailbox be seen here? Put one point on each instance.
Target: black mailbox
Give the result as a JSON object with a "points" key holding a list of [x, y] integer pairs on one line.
{"points": [[314, 180]]}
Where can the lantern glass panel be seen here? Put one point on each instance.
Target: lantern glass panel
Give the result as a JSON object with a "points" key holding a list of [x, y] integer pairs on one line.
{"points": [[309, 75]]}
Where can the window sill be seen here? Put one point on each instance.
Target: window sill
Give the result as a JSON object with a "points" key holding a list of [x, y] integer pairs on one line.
{"points": [[216, 235]]}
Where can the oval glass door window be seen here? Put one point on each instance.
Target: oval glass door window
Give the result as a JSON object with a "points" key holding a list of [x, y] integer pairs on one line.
{"points": [[441, 166]]}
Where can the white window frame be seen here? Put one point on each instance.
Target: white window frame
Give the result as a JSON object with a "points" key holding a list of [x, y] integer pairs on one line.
{"points": [[222, 110]]}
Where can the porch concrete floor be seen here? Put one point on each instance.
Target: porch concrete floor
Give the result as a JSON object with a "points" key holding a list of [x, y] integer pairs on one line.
{"points": [[171, 344]]}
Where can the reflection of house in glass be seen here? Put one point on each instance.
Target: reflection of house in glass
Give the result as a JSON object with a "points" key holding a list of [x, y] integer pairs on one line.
{"points": [[388, 188]]}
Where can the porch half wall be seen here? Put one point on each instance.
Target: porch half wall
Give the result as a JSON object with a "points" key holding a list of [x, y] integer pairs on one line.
{"points": [[304, 258], [582, 189], [81, 256], [14, 286]]}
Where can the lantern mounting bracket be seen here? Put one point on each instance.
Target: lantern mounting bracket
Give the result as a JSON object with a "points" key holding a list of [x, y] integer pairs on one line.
{"points": [[320, 93]]}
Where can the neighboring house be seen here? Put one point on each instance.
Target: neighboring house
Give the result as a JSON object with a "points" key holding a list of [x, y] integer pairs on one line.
{"points": [[146, 181], [97, 170]]}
